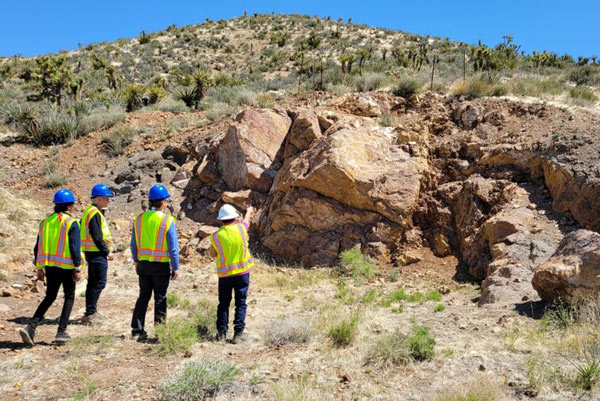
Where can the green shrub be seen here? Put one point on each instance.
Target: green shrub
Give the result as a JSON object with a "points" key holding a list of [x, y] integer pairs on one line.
{"points": [[543, 373], [390, 350], [439, 308], [172, 105], [287, 331], [176, 336], [99, 120], [133, 97], [118, 138], [407, 87], [395, 349], [218, 111], [46, 127], [370, 81], [54, 179], [203, 316], [199, 381], [352, 261], [343, 332], [583, 93], [480, 87], [174, 301], [588, 375], [535, 87], [421, 344]]}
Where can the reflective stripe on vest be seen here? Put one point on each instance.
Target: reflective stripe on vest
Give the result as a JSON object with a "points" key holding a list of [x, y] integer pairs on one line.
{"points": [[151, 229], [53, 242], [87, 243], [231, 244]]}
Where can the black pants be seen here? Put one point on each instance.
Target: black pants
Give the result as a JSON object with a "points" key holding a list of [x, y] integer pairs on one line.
{"points": [[239, 285], [97, 270], [55, 276], [153, 277]]}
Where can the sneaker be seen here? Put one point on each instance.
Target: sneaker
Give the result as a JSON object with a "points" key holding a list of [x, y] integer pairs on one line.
{"points": [[27, 336], [88, 319], [62, 338], [240, 337], [221, 336], [139, 336]]}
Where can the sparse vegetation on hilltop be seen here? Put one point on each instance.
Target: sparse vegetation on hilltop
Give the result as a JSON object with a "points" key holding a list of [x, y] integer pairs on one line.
{"points": [[236, 62]]}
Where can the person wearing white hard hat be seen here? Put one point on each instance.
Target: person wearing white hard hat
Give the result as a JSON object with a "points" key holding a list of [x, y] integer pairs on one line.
{"points": [[233, 259]]}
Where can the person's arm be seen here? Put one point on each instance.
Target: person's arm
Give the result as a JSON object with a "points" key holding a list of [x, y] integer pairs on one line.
{"points": [[75, 245], [248, 216], [173, 245], [133, 246], [95, 228], [75, 249]]}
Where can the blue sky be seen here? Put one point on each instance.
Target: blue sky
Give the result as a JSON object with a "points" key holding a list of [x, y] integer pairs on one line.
{"points": [[42, 26]]}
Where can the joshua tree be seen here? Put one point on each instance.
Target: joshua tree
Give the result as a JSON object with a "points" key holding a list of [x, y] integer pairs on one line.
{"points": [[52, 76], [363, 56]]}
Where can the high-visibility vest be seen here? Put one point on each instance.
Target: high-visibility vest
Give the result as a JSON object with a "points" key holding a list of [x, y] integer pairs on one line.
{"points": [[87, 243], [53, 242], [151, 235], [231, 244]]}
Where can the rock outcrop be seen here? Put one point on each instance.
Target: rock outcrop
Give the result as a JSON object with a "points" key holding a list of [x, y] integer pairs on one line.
{"points": [[573, 271], [247, 154]]}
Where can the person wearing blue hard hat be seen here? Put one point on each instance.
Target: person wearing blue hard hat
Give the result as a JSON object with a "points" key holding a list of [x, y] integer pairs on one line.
{"points": [[97, 245], [57, 257], [155, 251]]}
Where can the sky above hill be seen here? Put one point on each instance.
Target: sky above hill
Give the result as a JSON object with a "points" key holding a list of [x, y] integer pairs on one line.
{"points": [[36, 27]]}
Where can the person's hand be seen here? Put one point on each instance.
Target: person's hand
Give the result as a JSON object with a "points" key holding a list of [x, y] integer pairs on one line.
{"points": [[111, 256], [77, 276], [174, 274], [41, 275]]}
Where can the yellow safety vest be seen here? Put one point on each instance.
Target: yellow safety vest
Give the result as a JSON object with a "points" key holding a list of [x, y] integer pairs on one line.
{"points": [[151, 235], [53, 242], [231, 244], [87, 243]]}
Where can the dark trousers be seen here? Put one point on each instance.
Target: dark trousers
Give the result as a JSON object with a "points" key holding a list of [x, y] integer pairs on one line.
{"points": [[239, 285], [55, 277], [97, 270], [153, 277]]}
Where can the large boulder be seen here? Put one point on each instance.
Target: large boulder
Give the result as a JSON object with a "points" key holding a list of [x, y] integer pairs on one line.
{"points": [[305, 130], [573, 271], [248, 152], [359, 166], [305, 226]]}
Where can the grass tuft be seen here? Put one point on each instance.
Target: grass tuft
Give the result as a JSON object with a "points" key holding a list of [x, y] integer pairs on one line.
{"points": [[287, 330], [176, 336], [357, 265], [199, 381], [343, 332]]}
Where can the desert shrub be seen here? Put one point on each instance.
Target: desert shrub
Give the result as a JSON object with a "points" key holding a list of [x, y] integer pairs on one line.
{"points": [[155, 94], [479, 87], [100, 119], [118, 138], [172, 105], [544, 373], [583, 94], [421, 344], [203, 315], [482, 389], [588, 375], [217, 111], [287, 331], [396, 348], [245, 97], [407, 86], [199, 381], [582, 75], [265, 100], [45, 126], [535, 87], [133, 97], [54, 179], [343, 332], [388, 120], [176, 335], [354, 263], [370, 81], [174, 301], [303, 388]]}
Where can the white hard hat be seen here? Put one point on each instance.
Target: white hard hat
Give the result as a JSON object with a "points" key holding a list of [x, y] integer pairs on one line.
{"points": [[227, 212]]}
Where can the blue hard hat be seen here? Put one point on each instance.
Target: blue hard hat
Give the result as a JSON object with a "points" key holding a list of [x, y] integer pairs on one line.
{"points": [[63, 196], [158, 192], [101, 190]]}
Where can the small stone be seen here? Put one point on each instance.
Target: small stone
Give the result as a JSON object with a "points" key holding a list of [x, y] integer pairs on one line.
{"points": [[443, 289], [481, 368]]}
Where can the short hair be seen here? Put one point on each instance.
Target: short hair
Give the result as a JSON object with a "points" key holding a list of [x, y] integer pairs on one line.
{"points": [[224, 222], [156, 203], [62, 207]]}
